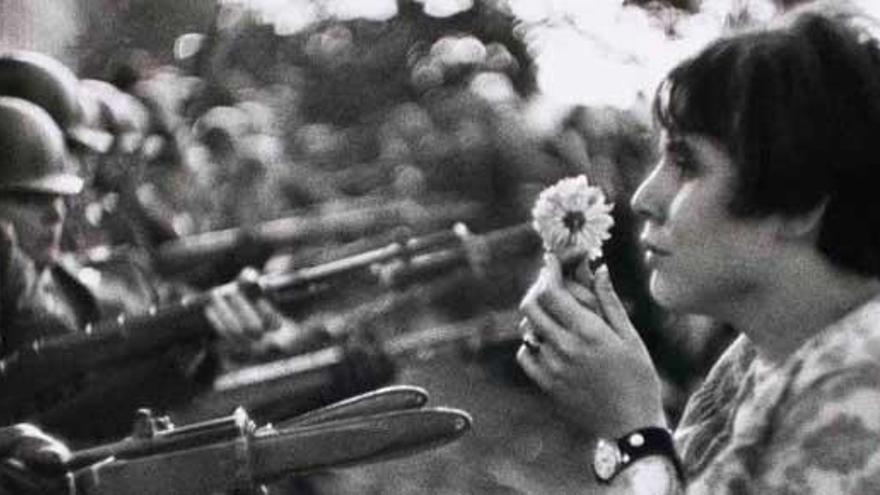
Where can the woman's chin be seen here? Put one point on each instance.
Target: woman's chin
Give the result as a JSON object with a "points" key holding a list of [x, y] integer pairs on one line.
{"points": [[668, 295]]}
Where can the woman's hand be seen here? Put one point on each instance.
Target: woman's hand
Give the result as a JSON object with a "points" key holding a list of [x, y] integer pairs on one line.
{"points": [[589, 356]]}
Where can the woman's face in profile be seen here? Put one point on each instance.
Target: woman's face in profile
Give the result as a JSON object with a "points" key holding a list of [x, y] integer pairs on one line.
{"points": [[701, 258]]}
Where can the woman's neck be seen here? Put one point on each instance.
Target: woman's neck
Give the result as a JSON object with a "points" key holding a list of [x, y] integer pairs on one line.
{"points": [[806, 296]]}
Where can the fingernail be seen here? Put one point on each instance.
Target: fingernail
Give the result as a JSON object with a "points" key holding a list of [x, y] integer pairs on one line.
{"points": [[583, 270], [602, 273]]}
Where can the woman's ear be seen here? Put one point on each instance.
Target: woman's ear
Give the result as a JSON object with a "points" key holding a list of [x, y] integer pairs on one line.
{"points": [[804, 225]]}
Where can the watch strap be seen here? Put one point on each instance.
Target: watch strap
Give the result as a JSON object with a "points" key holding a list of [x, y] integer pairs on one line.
{"points": [[646, 442]]}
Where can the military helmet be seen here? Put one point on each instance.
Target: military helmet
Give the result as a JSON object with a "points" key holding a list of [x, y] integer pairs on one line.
{"points": [[32, 151], [48, 83]]}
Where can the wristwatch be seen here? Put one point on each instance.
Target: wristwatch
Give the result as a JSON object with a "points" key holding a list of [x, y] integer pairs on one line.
{"points": [[613, 456]]}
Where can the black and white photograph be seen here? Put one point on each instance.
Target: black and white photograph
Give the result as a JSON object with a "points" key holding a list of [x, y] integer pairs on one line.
{"points": [[446, 247]]}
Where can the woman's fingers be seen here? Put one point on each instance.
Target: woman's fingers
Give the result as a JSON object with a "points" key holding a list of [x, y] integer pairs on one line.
{"points": [[543, 366], [612, 307], [583, 274], [582, 294], [529, 364], [545, 328], [561, 305]]}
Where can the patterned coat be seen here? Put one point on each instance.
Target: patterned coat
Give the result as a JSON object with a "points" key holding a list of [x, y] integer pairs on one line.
{"points": [[808, 425]]}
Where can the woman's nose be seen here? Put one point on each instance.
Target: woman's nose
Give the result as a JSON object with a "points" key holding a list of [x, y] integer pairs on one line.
{"points": [[649, 199]]}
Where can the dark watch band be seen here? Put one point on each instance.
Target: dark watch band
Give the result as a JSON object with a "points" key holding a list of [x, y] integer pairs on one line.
{"points": [[612, 457]]}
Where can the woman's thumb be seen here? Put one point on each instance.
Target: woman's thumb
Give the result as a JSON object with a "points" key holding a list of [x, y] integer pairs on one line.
{"points": [[583, 274], [613, 309]]}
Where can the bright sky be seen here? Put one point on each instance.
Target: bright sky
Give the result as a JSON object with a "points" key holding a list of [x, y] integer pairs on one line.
{"points": [[602, 53], [595, 52]]}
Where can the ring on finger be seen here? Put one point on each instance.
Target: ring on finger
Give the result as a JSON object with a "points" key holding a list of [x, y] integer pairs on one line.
{"points": [[531, 342]]}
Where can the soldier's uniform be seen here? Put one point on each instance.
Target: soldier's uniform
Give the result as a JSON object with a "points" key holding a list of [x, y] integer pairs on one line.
{"points": [[46, 295], [66, 298]]}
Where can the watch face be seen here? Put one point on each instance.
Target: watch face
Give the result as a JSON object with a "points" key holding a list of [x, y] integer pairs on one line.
{"points": [[606, 459]]}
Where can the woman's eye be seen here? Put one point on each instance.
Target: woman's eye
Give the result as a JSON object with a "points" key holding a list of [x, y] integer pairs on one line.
{"points": [[685, 165], [679, 156]]}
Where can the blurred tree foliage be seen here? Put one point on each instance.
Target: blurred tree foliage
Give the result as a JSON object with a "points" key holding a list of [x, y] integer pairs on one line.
{"points": [[371, 71], [356, 67], [115, 30]]}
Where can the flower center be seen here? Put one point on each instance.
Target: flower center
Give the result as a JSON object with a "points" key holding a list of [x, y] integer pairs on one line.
{"points": [[574, 221]]}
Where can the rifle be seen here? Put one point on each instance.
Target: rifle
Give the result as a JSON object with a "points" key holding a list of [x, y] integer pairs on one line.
{"points": [[253, 242], [49, 362], [266, 388], [232, 453], [362, 368]]}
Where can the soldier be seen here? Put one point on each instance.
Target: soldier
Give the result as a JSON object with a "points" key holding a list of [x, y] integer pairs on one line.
{"points": [[113, 213], [51, 85], [52, 293]]}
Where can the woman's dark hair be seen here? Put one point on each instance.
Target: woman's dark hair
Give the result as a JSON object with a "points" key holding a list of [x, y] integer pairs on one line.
{"points": [[798, 109]]}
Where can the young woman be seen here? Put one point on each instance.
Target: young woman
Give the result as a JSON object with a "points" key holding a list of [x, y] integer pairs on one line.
{"points": [[764, 212]]}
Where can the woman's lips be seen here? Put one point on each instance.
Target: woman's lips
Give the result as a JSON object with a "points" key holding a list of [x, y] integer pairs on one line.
{"points": [[654, 254]]}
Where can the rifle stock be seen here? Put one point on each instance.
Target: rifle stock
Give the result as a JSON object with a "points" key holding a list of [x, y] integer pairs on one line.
{"points": [[46, 363]]}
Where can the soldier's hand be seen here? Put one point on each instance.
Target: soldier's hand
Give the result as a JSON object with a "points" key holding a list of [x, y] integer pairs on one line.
{"points": [[32, 461], [248, 323]]}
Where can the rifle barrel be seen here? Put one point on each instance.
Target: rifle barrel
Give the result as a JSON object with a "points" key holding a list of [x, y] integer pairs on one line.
{"points": [[301, 229]]}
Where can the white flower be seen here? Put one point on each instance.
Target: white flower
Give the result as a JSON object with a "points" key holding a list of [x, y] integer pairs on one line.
{"points": [[573, 218]]}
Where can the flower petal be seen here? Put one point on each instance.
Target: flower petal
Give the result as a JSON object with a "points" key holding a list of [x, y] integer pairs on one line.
{"points": [[571, 196]]}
